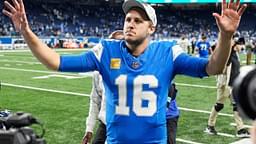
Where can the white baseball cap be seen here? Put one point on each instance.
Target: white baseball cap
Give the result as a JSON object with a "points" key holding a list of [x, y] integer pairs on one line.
{"points": [[150, 11]]}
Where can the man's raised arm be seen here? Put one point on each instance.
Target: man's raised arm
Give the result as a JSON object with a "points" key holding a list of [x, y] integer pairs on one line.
{"points": [[44, 54], [228, 23]]}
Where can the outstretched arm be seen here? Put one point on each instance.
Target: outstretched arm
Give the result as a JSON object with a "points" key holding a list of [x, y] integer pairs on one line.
{"points": [[228, 23], [17, 14]]}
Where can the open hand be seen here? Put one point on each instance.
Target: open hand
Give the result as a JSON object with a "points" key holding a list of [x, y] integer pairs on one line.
{"points": [[17, 14], [229, 19]]}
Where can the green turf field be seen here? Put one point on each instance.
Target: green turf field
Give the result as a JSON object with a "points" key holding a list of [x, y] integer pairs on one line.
{"points": [[61, 101]]}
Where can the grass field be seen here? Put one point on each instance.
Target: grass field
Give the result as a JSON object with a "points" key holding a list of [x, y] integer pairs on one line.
{"points": [[61, 101]]}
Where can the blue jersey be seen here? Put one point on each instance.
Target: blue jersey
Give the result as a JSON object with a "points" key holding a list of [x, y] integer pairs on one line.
{"points": [[136, 88], [203, 48]]}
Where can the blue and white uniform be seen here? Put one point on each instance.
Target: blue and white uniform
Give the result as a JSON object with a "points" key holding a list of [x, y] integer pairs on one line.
{"points": [[203, 48], [136, 88]]}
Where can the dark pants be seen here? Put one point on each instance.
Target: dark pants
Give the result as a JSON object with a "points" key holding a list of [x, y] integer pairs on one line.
{"points": [[172, 124], [100, 136]]}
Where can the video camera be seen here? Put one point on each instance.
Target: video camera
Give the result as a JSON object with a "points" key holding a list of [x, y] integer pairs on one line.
{"points": [[244, 91], [14, 129]]}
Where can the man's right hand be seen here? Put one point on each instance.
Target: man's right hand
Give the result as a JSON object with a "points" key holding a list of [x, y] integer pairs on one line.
{"points": [[17, 14], [87, 138]]}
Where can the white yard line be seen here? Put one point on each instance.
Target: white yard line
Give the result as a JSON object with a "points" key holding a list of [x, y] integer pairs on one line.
{"points": [[80, 94], [24, 62], [90, 73], [27, 50], [226, 135], [43, 89], [47, 72], [51, 72], [60, 76], [203, 111], [187, 141], [246, 126], [197, 86], [34, 88]]}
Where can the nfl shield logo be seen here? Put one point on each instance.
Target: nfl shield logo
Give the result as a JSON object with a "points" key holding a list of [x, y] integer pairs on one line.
{"points": [[135, 65]]}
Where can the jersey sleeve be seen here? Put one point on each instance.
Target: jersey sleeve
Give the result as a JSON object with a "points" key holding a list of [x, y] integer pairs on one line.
{"points": [[188, 65], [84, 62]]}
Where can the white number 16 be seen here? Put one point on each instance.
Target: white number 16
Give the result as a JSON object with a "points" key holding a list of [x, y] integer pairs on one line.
{"points": [[138, 95]]}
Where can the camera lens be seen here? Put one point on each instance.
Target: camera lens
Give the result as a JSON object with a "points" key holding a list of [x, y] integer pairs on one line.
{"points": [[244, 91], [252, 92]]}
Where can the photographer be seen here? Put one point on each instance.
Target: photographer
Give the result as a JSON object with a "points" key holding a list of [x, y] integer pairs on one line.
{"points": [[224, 87]]}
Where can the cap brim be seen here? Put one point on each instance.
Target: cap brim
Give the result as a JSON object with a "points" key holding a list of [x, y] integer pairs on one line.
{"points": [[127, 5]]}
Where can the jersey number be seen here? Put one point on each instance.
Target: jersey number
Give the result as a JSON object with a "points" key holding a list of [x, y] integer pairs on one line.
{"points": [[203, 47], [138, 95]]}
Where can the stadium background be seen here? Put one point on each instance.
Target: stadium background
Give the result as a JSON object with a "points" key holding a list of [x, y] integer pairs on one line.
{"points": [[61, 100]]}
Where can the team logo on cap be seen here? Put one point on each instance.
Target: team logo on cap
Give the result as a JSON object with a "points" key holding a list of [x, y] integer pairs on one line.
{"points": [[115, 63]]}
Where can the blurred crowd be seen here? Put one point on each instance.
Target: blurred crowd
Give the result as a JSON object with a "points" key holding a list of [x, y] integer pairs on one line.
{"points": [[73, 19]]}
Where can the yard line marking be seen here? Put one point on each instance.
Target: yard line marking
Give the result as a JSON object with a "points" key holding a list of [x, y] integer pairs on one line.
{"points": [[42, 89], [90, 74], [47, 90], [246, 126], [60, 76], [28, 70], [226, 135], [198, 86], [50, 72], [186, 141], [28, 50], [208, 112], [222, 134], [27, 56], [47, 72], [25, 62], [203, 111]]}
